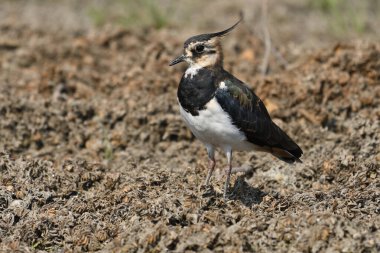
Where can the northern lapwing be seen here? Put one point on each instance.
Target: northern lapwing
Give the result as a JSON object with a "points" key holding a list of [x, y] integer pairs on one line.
{"points": [[222, 111]]}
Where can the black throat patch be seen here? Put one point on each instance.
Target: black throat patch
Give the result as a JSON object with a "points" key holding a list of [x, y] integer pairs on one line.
{"points": [[194, 92]]}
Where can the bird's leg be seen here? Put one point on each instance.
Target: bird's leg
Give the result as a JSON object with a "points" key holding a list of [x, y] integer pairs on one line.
{"points": [[227, 184], [211, 166]]}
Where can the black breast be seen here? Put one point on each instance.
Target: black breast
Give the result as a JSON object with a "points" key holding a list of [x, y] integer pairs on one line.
{"points": [[195, 92]]}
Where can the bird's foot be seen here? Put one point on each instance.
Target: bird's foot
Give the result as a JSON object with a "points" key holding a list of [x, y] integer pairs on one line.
{"points": [[207, 191], [228, 193]]}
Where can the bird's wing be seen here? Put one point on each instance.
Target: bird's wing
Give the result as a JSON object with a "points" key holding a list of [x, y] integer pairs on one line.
{"points": [[249, 114]]}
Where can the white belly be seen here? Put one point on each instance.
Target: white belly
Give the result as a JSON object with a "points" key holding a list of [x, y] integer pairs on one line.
{"points": [[213, 126]]}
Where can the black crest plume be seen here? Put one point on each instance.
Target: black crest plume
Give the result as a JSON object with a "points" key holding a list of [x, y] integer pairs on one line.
{"points": [[208, 36]]}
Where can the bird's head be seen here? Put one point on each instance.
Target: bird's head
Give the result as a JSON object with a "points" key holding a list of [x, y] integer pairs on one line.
{"points": [[204, 50]]}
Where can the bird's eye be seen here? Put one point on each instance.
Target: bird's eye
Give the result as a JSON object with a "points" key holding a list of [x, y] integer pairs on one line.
{"points": [[199, 48]]}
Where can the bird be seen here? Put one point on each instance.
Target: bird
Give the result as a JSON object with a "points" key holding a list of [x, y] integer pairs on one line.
{"points": [[222, 111]]}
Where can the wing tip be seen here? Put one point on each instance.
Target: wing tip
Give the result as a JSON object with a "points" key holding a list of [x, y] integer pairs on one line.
{"points": [[288, 156]]}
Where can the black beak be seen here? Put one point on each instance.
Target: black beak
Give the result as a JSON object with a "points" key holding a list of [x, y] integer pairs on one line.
{"points": [[177, 60]]}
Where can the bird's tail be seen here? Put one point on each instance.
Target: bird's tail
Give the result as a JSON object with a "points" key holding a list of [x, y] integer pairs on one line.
{"points": [[286, 149]]}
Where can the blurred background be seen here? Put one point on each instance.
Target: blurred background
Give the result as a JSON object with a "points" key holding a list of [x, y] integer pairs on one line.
{"points": [[307, 22]]}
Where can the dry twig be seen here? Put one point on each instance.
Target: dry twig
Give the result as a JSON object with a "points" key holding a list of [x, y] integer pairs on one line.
{"points": [[267, 40]]}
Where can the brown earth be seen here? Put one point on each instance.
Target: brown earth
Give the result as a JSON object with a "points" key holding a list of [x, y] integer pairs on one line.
{"points": [[95, 155]]}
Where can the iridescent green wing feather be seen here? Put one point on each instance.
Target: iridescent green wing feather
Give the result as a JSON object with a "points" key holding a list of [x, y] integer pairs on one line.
{"points": [[249, 114]]}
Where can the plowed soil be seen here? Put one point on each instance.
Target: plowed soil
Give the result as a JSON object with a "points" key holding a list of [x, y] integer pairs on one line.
{"points": [[94, 155]]}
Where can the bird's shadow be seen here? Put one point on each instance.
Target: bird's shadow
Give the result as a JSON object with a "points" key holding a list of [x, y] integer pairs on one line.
{"points": [[245, 193]]}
